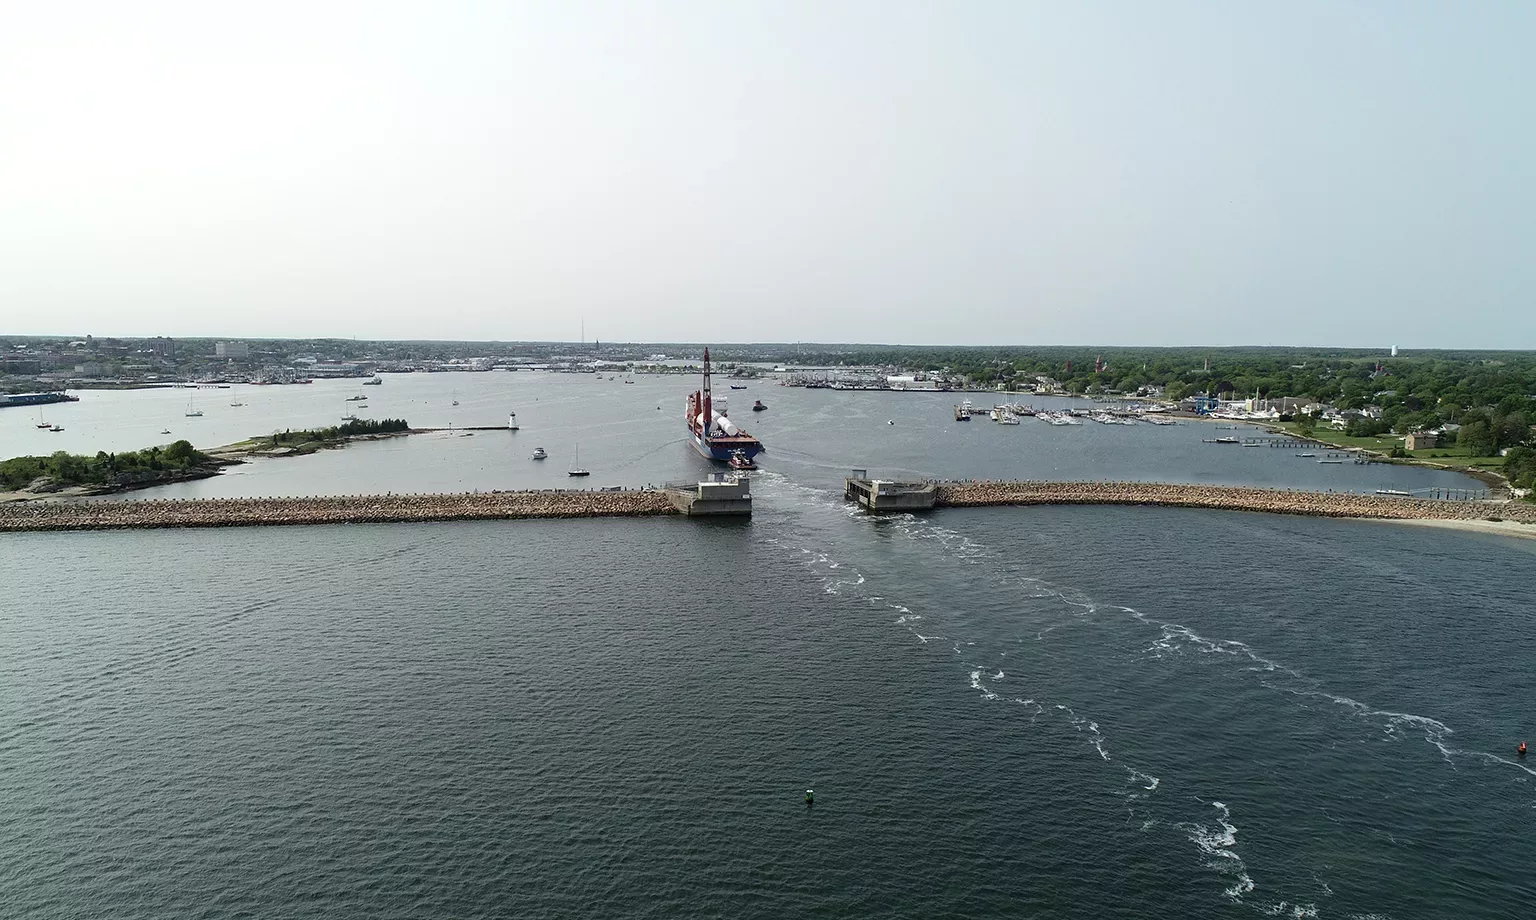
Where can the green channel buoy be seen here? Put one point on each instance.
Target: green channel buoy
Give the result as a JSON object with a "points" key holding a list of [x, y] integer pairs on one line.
{"points": [[810, 797]]}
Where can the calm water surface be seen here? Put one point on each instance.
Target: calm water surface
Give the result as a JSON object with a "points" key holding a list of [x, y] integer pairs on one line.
{"points": [[1066, 712], [632, 434]]}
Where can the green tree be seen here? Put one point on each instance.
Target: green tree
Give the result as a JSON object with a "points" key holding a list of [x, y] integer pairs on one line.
{"points": [[1478, 437]]}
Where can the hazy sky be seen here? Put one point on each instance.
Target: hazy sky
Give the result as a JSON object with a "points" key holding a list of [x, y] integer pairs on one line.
{"points": [[942, 172]]}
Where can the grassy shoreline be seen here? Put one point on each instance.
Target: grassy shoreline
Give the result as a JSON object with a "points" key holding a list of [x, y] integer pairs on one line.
{"points": [[1487, 470], [210, 463]]}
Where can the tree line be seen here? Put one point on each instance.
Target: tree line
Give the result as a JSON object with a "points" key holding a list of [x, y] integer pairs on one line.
{"points": [[102, 469], [345, 430]]}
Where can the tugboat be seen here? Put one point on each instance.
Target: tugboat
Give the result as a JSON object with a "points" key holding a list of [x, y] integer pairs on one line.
{"points": [[758, 406], [740, 461], [538, 453], [710, 431]]}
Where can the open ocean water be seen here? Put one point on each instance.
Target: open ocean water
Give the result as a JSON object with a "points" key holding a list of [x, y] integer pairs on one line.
{"points": [[1055, 712]]}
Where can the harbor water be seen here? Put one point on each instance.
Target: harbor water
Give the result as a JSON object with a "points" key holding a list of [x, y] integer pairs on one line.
{"points": [[1050, 711], [632, 435]]}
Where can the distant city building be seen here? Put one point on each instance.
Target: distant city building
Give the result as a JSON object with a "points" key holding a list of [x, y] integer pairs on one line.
{"points": [[21, 366], [162, 346], [232, 350], [335, 369]]}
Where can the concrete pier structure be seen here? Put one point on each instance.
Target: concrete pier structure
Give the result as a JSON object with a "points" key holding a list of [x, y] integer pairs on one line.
{"points": [[882, 495], [720, 494]]}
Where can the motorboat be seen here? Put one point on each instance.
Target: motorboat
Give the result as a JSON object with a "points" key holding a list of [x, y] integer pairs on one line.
{"points": [[539, 454], [756, 407]]}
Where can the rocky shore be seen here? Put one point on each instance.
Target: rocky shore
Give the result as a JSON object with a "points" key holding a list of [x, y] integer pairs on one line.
{"points": [[1231, 498], [336, 509]]}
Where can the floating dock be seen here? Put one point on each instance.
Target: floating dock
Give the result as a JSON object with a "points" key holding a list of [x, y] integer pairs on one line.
{"points": [[885, 495], [722, 494]]}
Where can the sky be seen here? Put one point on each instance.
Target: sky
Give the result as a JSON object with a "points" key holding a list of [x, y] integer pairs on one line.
{"points": [[1136, 173]]}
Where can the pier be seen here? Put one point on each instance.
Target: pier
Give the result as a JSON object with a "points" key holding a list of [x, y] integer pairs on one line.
{"points": [[883, 495], [722, 494]]}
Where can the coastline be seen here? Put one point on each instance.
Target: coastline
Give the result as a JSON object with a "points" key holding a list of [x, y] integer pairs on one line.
{"points": [[218, 459], [1498, 528], [1487, 477]]}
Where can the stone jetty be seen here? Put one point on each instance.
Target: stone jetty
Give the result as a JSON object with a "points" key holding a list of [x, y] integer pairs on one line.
{"points": [[559, 503], [1230, 498], [334, 509]]}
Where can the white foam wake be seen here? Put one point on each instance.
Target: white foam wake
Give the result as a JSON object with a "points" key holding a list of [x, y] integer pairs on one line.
{"points": [[1219, 844]]}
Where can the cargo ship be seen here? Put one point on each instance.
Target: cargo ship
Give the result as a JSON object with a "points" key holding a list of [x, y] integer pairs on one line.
{"points": [[711, 432]]}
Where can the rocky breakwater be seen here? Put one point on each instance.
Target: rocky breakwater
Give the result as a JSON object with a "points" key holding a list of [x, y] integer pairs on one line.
{"points": [[334, 509], [1230, 498]]}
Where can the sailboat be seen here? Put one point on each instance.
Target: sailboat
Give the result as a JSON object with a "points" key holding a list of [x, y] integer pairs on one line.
{"points": [[40, 422], [578, 471], [191, 412]]}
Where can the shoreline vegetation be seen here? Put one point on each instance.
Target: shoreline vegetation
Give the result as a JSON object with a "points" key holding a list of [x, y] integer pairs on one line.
{"points": [[1516, 518], [1487, 470], [65, 475]]}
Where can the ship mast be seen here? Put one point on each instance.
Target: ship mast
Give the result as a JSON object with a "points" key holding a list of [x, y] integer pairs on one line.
{"points": [[709, 417]]}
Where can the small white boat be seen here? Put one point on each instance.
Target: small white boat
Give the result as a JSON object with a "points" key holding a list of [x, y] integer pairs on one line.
{"points": [[55, 427], [373, 382], [165, 431], [538, 453]]}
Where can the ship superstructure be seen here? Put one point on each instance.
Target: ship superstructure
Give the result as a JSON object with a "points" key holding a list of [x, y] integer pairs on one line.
{"points": [[710, 430]]}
